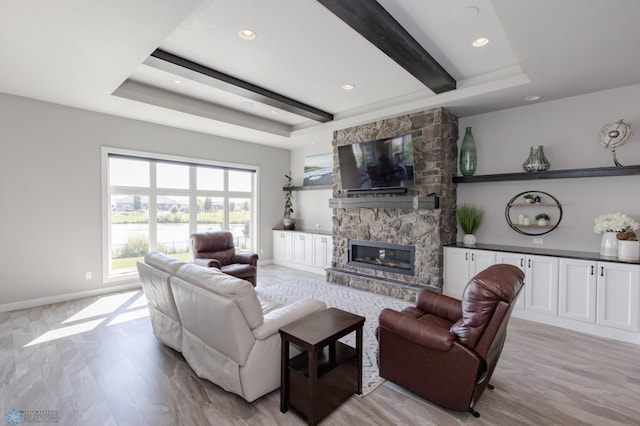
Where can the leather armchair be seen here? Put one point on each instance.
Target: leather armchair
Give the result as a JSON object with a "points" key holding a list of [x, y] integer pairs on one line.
{"points": [[216, 250], [446, 350]]}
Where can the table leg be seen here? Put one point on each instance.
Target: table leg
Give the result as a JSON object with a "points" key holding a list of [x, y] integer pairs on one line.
{"points": [[313, 384], [284, 375], [359, 354]]}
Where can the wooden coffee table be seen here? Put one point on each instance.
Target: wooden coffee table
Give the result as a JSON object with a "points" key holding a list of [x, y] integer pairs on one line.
{"points": [[327, 372]]}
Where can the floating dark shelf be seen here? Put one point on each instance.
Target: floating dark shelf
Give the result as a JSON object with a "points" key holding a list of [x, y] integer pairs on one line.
{"points": [[308, 188], [552, 174]]}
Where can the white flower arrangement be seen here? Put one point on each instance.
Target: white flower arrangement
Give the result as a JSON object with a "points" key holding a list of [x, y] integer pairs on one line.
{"points": [[614, 222]]}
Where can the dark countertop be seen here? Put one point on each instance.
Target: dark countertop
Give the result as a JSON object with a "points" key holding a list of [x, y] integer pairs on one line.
{"points": [[571, 254], [306, 231]]}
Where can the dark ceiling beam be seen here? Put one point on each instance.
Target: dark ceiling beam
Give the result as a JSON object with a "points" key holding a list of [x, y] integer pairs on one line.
{"points": [[177, 65], [375, 24]]}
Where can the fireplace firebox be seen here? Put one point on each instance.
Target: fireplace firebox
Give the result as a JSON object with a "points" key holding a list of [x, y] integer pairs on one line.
{"points": [[382, 256]]}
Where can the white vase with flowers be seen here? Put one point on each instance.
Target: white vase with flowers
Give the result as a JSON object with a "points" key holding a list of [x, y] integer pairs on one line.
{"points": [[610, 225]]}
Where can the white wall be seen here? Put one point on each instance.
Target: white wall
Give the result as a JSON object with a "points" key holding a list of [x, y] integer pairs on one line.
{"points": [[311, 207], [50, 187], [568, 130]]}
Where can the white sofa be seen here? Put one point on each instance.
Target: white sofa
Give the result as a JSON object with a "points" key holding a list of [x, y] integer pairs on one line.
{"points": [[155, 273], [228, 335]]}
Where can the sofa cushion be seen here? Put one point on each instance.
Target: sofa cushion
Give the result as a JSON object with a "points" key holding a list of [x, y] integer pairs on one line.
{"points": [[240, 270], [268, 305], [239, 290], [163, 262]]}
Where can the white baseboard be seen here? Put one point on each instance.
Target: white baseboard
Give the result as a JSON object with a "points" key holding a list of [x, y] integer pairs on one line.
{"points": [[319, 271], [32, 303]]}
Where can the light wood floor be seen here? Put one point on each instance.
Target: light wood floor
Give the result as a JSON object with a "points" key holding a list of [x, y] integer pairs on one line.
{"points": [[95, 362]]}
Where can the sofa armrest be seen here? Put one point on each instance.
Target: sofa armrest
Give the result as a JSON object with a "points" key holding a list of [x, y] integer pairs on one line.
{"points": [[410, 328], [247, 258], [440, 305], [208, 263], [285, 315]]}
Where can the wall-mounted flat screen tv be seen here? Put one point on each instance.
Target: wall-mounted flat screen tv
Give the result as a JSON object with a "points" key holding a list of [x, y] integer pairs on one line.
{"points": [[377, 164]]}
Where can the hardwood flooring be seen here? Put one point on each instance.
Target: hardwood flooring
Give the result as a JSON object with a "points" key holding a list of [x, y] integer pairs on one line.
{"points": [[95, 362]]}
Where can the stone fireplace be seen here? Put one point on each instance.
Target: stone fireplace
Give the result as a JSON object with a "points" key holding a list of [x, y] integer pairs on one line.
{"points": [[391, 228]]}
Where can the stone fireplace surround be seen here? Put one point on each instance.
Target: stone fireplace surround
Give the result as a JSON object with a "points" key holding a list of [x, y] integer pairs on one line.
{"points": [[435, 133]]}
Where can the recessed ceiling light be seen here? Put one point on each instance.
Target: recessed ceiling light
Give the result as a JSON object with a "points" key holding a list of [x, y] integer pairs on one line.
{"points": [[532, 98], [177, 82], [246, 104], [347, 86], [247, 34], [479, 42], [274, 112]]}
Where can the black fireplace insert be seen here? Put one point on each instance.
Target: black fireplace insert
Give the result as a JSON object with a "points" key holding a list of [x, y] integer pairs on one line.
{"points": [[382, 256]]}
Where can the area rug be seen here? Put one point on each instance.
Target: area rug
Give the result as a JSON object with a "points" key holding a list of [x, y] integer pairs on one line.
{"points": [[360, 302]]}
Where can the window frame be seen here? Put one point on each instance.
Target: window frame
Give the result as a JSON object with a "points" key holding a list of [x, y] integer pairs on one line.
{"points": [[153, 191]]}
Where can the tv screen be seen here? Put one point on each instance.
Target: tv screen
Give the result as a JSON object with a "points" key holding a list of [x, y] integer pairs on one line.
{"points": [[382, 163]]}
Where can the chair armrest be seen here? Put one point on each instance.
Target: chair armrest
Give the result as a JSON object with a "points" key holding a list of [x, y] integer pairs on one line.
{"points": [[410, 328], [208, 263], [285, 315], [440, 305], [248, 258]]}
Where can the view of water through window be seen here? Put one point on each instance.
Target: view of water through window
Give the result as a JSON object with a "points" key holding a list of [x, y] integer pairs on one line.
{"points": [[158, 205]]}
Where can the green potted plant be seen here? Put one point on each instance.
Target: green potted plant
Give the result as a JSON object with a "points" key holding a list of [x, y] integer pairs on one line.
{"points": [[288, 222], [542, 219], [469, 218], [528, 198]]}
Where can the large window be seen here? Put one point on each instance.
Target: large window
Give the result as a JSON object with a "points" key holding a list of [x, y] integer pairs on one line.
{"points": [[157, 203]]}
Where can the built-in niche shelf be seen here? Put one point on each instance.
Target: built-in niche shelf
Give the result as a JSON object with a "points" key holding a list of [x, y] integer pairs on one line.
{"points": [[552, 174], [406, 202], [307, 188]]}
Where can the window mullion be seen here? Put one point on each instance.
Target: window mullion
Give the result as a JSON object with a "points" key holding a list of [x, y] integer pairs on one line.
{"points": [[153, 209]]}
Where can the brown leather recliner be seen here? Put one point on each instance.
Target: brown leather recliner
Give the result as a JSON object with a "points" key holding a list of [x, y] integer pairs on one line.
{"points": [[444, 349], [216, 250]]}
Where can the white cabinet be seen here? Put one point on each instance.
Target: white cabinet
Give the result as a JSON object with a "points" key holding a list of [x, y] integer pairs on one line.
{"points": [[598, 297], [322, 251], [518, 260], [540, 281], [618, 295], [541, 284], [460, 265], [303, 250], [282, 246], [577, 290]]}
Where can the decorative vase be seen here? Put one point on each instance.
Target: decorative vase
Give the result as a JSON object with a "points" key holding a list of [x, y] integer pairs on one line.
{"points": [[289, 223], [609, 244], [536, 162], [468, 154], [628, 250], [469, 239]]}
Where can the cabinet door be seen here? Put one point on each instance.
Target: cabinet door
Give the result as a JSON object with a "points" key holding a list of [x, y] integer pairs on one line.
{"points": [[319, 251], [514, 259], [303, 248], [577, 290], [280, 246], [328, 251], [456, 271], [541, 284], [479, 261], [289, 253], [618, 295]]}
